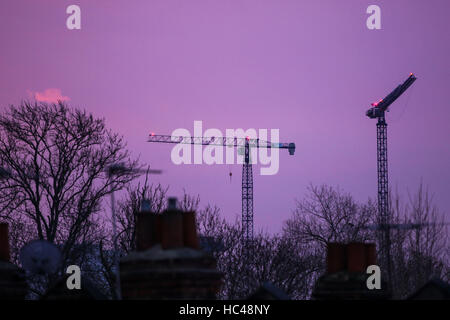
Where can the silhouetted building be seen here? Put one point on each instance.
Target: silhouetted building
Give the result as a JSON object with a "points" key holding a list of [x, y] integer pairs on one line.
{"points": [[168, 263], [346, 277], [268, 291], [88, 291], [435, 289], [13, 285]]}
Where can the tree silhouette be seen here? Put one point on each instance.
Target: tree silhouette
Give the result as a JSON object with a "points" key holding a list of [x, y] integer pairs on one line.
{"points": [[56, 159]]}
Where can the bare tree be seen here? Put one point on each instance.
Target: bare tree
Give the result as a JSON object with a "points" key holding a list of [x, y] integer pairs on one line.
{"points": [[328, 215], [419, 245], [270, 258], [295, 258], [222, 239], [56, 158], [325, 215], [420, 248], [130, 206]]}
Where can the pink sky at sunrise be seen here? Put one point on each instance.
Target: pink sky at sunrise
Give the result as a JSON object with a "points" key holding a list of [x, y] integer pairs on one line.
{"points": [[309, 68]]}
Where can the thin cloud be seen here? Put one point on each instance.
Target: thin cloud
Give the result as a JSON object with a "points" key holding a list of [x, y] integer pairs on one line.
{"points": [[51, 95]]}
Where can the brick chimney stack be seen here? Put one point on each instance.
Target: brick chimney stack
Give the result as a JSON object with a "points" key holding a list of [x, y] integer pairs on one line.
{"points": [[346, 275], [12, 279], [168, 263], [352, 257]]}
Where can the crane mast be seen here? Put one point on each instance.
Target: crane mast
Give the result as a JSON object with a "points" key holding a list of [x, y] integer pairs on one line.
{"points": [[247, 196], [383, 190], [378, 112], [247, 170]]}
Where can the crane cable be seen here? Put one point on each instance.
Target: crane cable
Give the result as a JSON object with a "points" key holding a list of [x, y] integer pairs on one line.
{"points": [[402, 112]]}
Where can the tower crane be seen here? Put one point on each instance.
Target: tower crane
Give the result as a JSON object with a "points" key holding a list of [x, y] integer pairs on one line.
{"points": [[378, 112], [247, 172]]}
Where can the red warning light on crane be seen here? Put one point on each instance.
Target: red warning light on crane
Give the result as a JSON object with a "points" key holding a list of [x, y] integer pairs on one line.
{"points": [[377, 103]]}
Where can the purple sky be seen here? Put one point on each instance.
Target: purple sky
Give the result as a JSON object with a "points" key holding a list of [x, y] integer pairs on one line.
{"points": [[309, 68]]}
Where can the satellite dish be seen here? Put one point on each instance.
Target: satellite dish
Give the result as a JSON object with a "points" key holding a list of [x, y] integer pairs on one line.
{"points": [[40, 257]]}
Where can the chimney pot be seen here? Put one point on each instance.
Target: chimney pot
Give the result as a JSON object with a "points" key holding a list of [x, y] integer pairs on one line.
{"points": [[336, 257], [356, 257], [172, 204], [147, 231], [146, 205], [172, 229], [190, 237]]}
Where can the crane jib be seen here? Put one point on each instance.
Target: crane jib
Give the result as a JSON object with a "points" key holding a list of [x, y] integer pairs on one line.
{"points": [[221, 141], [381, 106]]}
